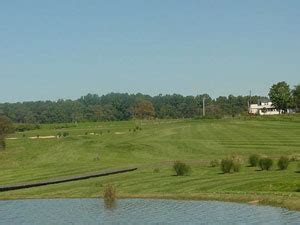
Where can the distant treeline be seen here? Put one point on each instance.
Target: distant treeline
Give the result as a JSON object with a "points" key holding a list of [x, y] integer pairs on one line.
{"points": [[117, 106]]}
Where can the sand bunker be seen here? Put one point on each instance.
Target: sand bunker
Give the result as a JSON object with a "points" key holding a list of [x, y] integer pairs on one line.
{"points": [[43, 137]]}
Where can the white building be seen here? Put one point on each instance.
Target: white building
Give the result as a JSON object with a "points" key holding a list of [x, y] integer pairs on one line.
{"points": [[263, 108]]}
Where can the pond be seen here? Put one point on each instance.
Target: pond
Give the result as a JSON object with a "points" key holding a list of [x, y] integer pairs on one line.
{"points": [[140, 211]]}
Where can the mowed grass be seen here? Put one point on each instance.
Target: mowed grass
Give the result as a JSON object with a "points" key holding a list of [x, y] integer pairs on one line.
{"points": [[156, 146]]}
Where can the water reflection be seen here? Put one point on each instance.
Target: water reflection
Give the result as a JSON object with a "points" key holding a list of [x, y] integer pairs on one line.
{"points": [[109, 196], [140, 211], [110, 204]]}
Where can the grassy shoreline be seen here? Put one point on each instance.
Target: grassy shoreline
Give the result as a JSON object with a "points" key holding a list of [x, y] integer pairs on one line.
{"points": [[127, 188]]}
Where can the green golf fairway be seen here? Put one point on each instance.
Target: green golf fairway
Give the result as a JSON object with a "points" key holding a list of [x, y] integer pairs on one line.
{"points": [[93, 147]]}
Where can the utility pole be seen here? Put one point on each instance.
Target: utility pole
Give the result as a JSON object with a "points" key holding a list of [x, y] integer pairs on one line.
{"points": [[203, 106], [249, 103]]}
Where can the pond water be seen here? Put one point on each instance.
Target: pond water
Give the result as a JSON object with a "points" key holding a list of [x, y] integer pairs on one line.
{"points": [[140, 211]]}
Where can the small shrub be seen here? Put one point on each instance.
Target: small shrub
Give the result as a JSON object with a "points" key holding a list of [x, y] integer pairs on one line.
{"points": [[97, 158], [226, 165], [295, 158], [253, 160], [156, 170], [59, 134], [265, 163], [181, 168], [2, 144], [214, 163], [236, 166], [23, 135], [61, 126], [283, 163], [109, 196], [86, 133], [26, 127], [38, 136], [65, 134], [237, 163]]}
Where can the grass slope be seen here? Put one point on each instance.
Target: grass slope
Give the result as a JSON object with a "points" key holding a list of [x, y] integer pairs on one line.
{"points": [[157, 145]]}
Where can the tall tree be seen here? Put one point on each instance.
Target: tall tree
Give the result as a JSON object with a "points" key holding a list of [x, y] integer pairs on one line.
{"points": [[280, 95], [144, 110], [5, 128], [296, 97]]}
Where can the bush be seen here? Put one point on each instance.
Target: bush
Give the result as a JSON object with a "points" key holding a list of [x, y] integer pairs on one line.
{"points": [[283, 163], [231, 164], [181, 168], [65, 134], [214, 163], [265, 163], [156, 170], [295, 158], [226, 165], [253, 160], [2, 143], [109, 196], [61, 126], [236, 166], [237, 163], [26, 127], [97, 158]]}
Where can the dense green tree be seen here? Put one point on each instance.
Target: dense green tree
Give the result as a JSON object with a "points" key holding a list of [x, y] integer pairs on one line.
{"points": [[280, 95], [123, 106], [5, 128], [5, 125], [144, 110], [296, 97]]}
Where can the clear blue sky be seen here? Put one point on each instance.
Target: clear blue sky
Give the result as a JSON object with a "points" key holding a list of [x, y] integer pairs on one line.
{"points": [[65, 49]]}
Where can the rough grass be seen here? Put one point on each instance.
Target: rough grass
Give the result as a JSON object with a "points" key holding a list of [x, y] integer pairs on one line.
{"points": [[157, 146], [109, 196]]}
